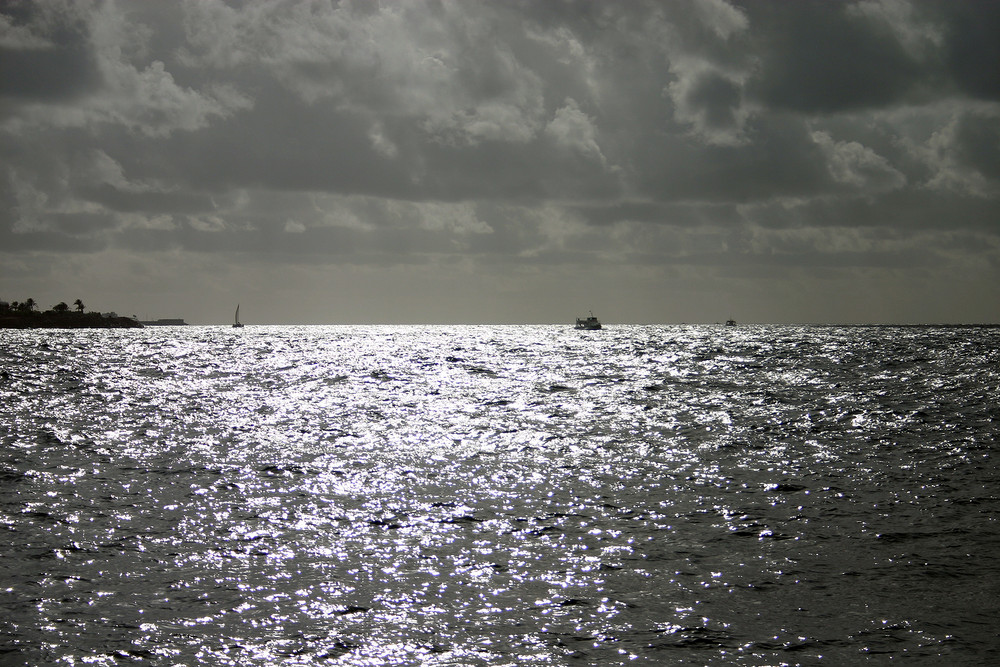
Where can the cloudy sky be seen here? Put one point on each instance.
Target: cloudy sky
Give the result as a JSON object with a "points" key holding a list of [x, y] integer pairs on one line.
{"points": [[503, 162]]}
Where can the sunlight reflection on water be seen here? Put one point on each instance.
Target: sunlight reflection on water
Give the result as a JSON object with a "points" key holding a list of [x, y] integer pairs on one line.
{"points": [[492, 495]]}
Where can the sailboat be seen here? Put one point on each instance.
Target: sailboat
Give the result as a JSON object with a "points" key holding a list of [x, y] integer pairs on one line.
{"points": [[236, 323]]}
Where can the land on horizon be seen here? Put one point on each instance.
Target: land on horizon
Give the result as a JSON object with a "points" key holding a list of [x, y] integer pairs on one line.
{"points": [[53, 320], [23, 315]]}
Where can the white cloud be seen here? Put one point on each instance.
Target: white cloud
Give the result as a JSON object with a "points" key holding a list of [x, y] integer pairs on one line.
{"points": [[382, 144], [102, 169], [855, 165], [144, 99], [571, 128], [163, 222], [30, 204], [721, 17], [487, 121], [150, 101], [207, 223], [919, 37], [458, 218], [410, 60], [944, 153]]}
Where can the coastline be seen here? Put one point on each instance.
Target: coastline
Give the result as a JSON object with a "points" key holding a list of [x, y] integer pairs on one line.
{"points": [[53, 320]]}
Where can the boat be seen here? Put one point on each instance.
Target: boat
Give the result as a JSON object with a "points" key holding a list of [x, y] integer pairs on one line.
{"points": [[589, 323], [236, 323], [730, 323]]}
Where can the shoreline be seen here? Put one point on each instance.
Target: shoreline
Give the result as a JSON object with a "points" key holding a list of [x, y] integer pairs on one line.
{"points": [[52, 320]]}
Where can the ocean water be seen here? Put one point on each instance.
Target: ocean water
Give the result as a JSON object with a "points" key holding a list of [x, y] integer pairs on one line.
{"points": [[500, 495]]}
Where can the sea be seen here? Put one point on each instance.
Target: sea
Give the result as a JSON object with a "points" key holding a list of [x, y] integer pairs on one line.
{"points": [[500, 495]]}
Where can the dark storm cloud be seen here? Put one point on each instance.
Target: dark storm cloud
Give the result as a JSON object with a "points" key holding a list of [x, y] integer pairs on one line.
{"points": [[673, 214], [283, 146], [44, 57], [574, 133], [783, 160], [122, 201], [972, 49], [475, 119], [824, 57], [818, 56], [977, 143]]}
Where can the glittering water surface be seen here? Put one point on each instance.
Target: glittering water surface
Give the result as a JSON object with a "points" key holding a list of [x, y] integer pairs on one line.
{"points": [[499, 496]]}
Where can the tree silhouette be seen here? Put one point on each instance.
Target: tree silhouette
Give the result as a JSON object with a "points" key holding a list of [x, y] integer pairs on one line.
{"points": [[79, 305], [28, 305], [61, 307]]}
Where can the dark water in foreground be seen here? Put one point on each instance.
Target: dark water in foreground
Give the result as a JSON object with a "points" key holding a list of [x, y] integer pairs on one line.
{"points": [[500, 495]]}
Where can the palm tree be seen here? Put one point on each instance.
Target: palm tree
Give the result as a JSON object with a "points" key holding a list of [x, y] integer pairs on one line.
{"points": [[79, 305]]}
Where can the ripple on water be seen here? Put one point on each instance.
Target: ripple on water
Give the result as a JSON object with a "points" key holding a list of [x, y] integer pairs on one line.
{"points": [[491, 495]]}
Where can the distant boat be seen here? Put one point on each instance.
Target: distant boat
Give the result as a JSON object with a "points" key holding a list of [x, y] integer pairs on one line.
{"points": [[236, 323], [589, 323], [730, 323]]}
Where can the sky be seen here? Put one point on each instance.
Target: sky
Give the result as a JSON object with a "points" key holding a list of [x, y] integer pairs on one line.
{"points": [[503, 162]]}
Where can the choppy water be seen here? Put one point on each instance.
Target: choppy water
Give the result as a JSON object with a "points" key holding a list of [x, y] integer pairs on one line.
{"points": [[499, 496]]}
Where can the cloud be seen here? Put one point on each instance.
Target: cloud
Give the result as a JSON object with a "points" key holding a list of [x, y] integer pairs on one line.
{"points": [[45, 56], [964, 154], [915, 32], [720, 17], [19, 38], [294, 227], [81, 75], [420, 60], [574, 130], [711, 103], [526, 141], [855, 165]]}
